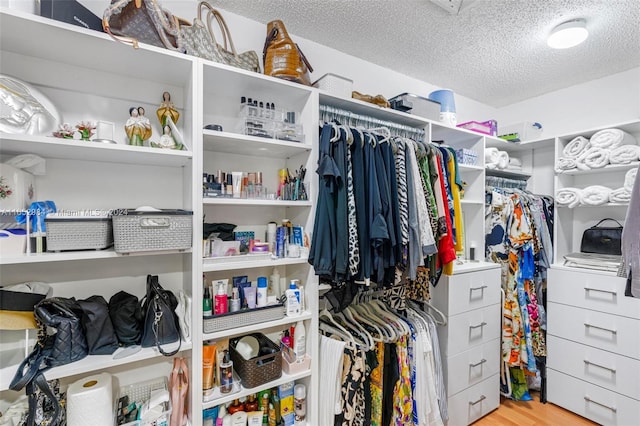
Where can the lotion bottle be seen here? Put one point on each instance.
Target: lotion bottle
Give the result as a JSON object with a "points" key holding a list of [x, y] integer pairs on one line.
{"points": [[261, 294], [300, 341], [235, 300], [274, 283]]}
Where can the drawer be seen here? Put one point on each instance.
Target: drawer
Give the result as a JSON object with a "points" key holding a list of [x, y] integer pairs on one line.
{"points": [[477, 401], [470, 329], [593, 402], [471, 367], [464, 292], [605, 331], [591, 291], [614, 372]]}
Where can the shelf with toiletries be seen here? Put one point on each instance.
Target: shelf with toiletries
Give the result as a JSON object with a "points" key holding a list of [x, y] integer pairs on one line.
{"points": [[230, 263], [304, 316], [234, 143]]}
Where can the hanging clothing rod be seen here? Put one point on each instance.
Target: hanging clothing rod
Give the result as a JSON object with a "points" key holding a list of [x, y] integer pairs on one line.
{"points": [[328, 113]]}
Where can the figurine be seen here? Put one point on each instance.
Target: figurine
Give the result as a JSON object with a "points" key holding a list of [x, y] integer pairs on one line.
{"points": [[145, 124], [167, 141], [133, 128], [167, 110], [24, 110]]}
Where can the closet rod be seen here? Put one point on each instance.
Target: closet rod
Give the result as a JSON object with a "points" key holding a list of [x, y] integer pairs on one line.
{"points": [[328, 113]]}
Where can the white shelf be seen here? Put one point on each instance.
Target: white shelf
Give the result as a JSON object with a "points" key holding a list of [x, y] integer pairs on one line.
{"points": [[508, 174], [88, 364], [606, 169], [79, 255], [470, 266], [209, 266], [255, 327], [504, 145], [285, 378], [234, 143], [252, 202], [71, 149], [469, 167]]}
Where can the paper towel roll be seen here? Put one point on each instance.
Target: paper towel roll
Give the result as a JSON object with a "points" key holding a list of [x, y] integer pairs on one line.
{"points": [[90, 401]]}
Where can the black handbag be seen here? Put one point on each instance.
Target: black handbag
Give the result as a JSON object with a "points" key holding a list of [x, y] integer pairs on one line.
{"points": [[160, 324], [602, 239], [98, 329], [124, 310], [61, 340]]}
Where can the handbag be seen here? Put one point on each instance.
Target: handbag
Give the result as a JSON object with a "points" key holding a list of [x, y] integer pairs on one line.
{"points": [[61, 341], [160, 324], [130, 21], [126, 318], [98, 328], [178, 391], [282, 57], [602, 239]]}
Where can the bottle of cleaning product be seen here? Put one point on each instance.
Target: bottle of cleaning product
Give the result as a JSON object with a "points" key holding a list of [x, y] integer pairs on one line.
{"points": [[261, 299], [300, 341]]}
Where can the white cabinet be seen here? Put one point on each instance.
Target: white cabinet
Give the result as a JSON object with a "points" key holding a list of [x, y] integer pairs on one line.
{"points": [[470, 341]]}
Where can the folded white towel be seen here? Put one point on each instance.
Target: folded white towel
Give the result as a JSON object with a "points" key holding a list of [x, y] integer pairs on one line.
{"points": [[569, 197], [620, 195], [593, 158], [624, 154], [503, 160], [576, 147], [595, 195], [630, 178], [611, 138], [491, 157], [515, 162], [563, 164]]}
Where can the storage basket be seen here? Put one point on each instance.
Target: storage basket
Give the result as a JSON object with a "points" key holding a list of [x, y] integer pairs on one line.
{"points": [[136, 231], [78, 232], [141, 392], [335, 84], [239, 319], [467, 157], [260, 369]]}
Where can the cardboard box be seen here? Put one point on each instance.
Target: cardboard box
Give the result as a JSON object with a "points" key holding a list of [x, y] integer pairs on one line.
{"points": [[285, 393], [71, 12]]}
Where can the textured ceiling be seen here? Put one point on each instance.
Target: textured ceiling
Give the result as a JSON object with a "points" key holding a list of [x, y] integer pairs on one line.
{"points": [[493, 51]]}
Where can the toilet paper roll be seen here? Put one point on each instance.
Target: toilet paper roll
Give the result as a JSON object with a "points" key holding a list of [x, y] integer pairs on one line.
{"points": [[90, 401]]}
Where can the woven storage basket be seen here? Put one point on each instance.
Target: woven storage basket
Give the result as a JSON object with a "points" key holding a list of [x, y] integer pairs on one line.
{"points": [[156, 230], [258, 370], [79, 232], [238, 319], [142, 392]]}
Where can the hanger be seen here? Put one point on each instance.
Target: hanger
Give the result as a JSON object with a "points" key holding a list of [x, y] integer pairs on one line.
{"points": [[334, 327], [347, 133], [360, 332], [361, 319], [382, 131], [388, 331], [439, 318], [401, 326]]}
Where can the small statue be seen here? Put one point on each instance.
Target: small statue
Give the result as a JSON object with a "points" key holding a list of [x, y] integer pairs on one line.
{"points": [[138, 128], [167, 141], [167, 110], [145, 124], [24, 110]]}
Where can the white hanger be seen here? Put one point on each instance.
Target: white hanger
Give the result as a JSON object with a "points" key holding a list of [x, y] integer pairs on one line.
{"points": [[356, 315], [358, 335], [382, 131], [389, 333], [334, 327]]}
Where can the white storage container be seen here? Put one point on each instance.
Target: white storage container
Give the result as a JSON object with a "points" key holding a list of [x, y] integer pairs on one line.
{"points": [[138, 230], [335, 84], [83, 231], [526, 131], [13, 242], [416, 105]]}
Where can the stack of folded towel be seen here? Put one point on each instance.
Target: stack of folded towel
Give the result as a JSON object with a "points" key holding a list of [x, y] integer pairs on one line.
{"points": [[596, 195], [496, 159], [609, 146]]}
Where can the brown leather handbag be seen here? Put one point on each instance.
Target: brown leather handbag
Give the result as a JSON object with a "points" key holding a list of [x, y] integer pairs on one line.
{"points": [[282, 57]]}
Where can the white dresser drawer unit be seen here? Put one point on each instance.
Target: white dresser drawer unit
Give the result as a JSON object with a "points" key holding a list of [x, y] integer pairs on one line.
{"points": [[472, 403], [470, 329], [614, 372], [605, 331], [591, 401], [467, 291], [596, 292], [471, 367]]}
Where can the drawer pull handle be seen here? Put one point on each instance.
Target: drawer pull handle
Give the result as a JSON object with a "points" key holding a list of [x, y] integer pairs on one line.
{"points": [[600, 328], [614, 409], [613, 370], [482, 361], [482, 324], [482, 287], [615, 293], [482, 398]]}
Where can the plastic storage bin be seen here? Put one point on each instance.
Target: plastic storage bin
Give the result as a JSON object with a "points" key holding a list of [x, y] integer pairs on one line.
{"points": [[141, 392], [136, 231], [239, 319], [416, 105], [78, 232], [520, 132], [489, 127], [261, 369], [335, 84], [13, 242]]}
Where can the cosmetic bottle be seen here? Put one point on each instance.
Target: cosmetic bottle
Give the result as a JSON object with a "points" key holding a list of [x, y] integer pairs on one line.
{"points": [[226, 373], [275, 400], [251, 404], [229, 188], [235, 300], [222, 411], [300, 404], [300, 341], [261, 297], [293, 300], [235, 406], [221, 297], [286, 340], [274, 283], [206, 302]]}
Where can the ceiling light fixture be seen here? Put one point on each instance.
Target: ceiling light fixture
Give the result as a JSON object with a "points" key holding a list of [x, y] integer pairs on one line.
{"points": [[568, 34]]}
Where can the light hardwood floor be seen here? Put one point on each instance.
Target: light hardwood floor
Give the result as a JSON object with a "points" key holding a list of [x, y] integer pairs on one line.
{"points": [[531, 413]]}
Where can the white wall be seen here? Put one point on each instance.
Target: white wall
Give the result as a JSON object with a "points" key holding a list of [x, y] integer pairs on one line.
{"points": [[606, 101]]}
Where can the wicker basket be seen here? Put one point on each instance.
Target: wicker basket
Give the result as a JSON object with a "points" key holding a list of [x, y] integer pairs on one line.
{"points": [[238, 319], [78, 232], [137, 231], [261, 369]]}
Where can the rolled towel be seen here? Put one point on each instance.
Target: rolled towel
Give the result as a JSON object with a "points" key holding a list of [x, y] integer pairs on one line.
{"points": [[593, 158], [611, 138], [569, 197], [503, 160], [576, 147], [629, 179], [515, 162], [563, 164], [595, 195], [620, 195], [624, 154], [491, 157]]}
